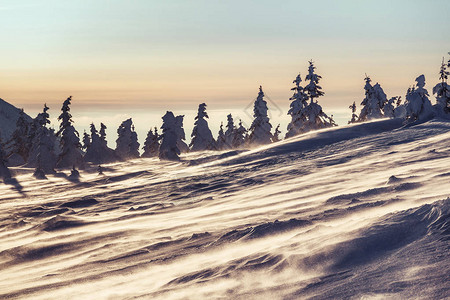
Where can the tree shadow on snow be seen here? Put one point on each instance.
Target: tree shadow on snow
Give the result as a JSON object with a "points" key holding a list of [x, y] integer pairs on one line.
{"points": [[15, 185], [75, 178]]}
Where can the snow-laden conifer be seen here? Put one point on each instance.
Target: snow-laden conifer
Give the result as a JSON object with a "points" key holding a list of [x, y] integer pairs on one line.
{"points": [[102, 132], [169, 147], [388, 108], [313, 89], [368, 91], [418, 106], [354, 118], [276, 134], [296, 110], [230, 132], [380, 95], [71, 154], [151, 144], [181, 136], [202, 138], [400, 109], [86, 142], [261, 127], [42, 155], [240, 136], [373, 102], [98, 151], [221, 143], [442, 89], [127, 146], [314, 116], [18, 147], [134, 147], [5, 174]]}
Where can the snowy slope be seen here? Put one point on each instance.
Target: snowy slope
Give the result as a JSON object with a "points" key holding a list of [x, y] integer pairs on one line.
{"points": [[8, 118], [357, 211]]}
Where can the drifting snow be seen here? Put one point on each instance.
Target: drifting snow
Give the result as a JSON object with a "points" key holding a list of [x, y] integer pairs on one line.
{"points": [[356, 211]]}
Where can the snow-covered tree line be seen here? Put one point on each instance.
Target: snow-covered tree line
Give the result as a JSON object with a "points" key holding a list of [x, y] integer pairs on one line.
{"points": [[34, 144], [417, 105]]}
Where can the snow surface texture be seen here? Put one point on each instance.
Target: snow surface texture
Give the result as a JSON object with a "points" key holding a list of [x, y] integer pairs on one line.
{"points": [[359, 211]]}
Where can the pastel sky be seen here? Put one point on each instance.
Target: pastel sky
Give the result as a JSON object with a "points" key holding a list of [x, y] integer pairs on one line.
{"points": [[172, 55]]}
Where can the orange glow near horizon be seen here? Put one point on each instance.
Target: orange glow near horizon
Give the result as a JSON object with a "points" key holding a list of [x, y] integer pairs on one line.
{"points": [[173, 55]]}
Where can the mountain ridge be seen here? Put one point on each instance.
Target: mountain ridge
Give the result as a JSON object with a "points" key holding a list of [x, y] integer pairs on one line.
{"points": [[8, 118]]}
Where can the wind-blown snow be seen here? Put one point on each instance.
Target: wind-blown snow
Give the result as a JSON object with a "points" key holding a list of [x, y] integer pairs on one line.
{"points": [[356, 211]]}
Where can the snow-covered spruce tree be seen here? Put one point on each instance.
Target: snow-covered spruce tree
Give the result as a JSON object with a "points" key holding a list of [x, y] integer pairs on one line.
{"points": [[181, 136], [315, 117], [5, 174], [276, 134], [134, 147], [368, 91], [109, 154], [151, 144], [202, 138], [354, 118], [400, 110], [102, 132], [169, 137], [313, 89], [442, 89], [240, 136], [418, 106], [261, 127], [98, 151], [221, 143], [373, 102], [42, 155], [296, 110], [86, 140], [18, 146], [380, 95], [71, 154], [388, 108], [127, 146], [230, 132]]}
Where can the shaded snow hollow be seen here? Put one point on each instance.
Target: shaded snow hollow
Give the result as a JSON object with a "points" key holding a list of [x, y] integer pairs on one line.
{"points": [[356, 211]]}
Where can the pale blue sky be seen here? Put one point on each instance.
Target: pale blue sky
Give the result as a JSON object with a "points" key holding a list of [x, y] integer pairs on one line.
{"points": [[175, 54]]}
